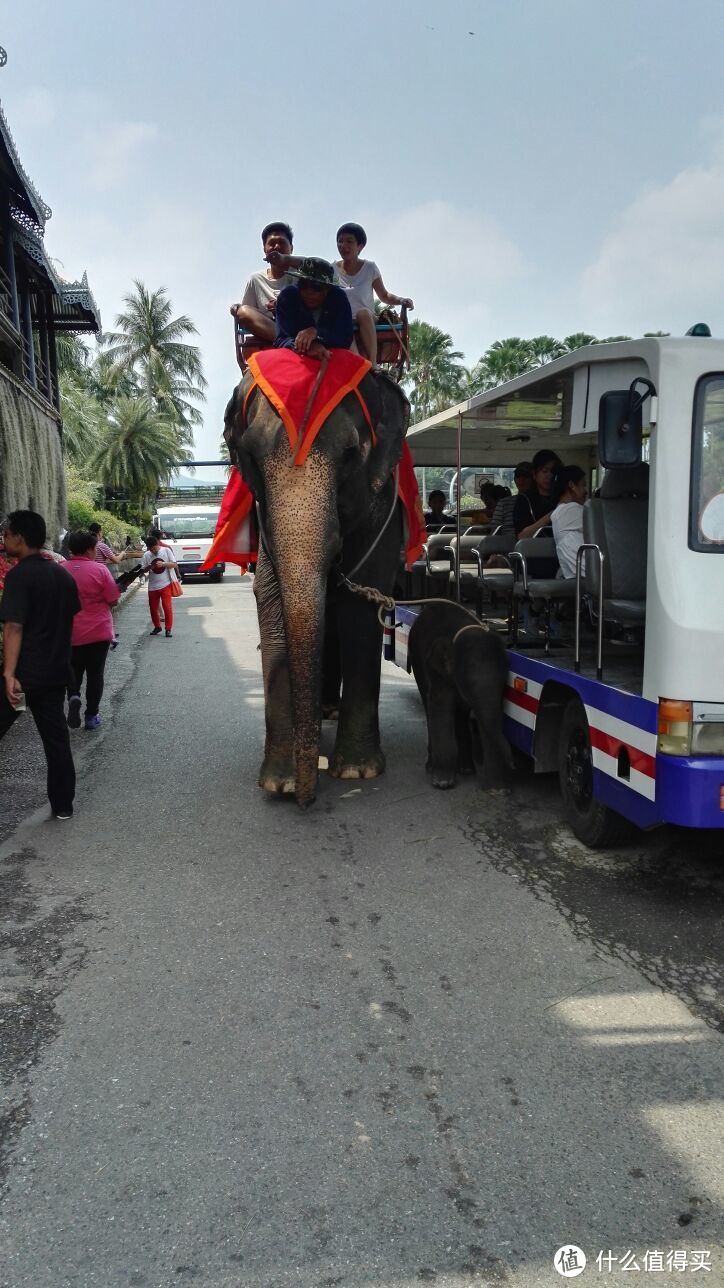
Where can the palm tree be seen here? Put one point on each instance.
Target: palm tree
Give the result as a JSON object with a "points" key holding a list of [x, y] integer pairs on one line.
{"points": [[578, 341], [150, 342], [81, 419], [107, 380], [72, 355], [545, 349], [138, 449], [435, 375], [503, 361]]}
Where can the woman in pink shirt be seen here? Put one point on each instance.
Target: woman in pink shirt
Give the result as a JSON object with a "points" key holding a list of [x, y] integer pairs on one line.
{"points": [[92, 627]]}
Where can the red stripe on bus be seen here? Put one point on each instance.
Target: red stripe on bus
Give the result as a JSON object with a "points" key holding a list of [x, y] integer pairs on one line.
{"points": [[521, 699], [639, 760]]}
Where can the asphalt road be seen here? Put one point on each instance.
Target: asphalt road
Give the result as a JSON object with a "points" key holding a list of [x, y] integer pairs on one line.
{"points": [[406, 1037]]}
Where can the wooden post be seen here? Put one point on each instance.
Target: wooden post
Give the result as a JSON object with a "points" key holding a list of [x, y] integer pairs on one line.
{"points": [[10, 266], [55, 387], [44, 323], [28, 335]]}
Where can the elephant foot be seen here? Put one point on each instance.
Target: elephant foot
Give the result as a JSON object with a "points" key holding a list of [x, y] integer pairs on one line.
{"points": [[368, 767], [443, 780], [276, 778]]}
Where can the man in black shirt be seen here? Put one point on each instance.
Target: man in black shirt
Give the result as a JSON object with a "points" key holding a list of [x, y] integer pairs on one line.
{"points": [[39, 602]]}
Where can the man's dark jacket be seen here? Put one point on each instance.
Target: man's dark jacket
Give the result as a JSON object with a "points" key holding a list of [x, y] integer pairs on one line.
{"points": [[334, 325]]}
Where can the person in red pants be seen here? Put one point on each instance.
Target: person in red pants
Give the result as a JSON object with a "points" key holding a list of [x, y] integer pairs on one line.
{"points": [[160, 563]]}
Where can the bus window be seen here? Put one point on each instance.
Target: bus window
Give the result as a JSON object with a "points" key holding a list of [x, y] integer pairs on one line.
{"points": [[706, 531]]}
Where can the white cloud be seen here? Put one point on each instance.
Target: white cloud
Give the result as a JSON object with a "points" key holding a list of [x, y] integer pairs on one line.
{"points": [[661, 265], [455, 263], [114, 151], [34, 109]]}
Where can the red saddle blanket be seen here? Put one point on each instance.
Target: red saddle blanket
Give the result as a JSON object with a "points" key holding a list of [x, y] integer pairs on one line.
{"points": [[288, 380]]}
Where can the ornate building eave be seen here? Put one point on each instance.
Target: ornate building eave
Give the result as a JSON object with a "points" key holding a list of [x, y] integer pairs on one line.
{"points": [[26, 204], [72, 303]]}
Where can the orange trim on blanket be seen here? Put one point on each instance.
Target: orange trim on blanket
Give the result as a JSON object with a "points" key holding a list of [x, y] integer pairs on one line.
{"points": [[269, 392]]}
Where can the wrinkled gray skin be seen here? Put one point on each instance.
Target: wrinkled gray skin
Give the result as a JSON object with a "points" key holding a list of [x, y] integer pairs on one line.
{"points": [[461, 670], [313, 516]]}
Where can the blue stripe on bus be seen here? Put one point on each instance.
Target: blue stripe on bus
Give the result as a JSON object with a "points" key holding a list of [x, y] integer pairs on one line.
{"points": [[619, 797], [518, 735], [594, 693]]}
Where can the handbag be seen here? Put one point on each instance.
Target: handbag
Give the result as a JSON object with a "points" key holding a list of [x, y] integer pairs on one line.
{"points": [[176, 587]]}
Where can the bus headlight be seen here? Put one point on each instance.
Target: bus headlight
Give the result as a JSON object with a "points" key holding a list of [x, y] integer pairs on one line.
{"points": [[687, 730]]}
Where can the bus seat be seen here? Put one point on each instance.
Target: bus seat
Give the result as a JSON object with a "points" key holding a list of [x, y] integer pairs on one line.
{"points": [[617, 522], [438, 563]]}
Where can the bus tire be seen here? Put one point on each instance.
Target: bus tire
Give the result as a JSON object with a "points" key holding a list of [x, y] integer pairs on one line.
{"points": [[217, 575], [593, 823]]}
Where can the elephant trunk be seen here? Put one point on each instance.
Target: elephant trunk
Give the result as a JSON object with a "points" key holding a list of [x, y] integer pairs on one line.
{"points": [[303, 609], [303, 539]]}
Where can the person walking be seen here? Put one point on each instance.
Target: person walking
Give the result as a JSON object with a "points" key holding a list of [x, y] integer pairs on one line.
{"points": [[161, 566], [40, 600], [93, 631]]}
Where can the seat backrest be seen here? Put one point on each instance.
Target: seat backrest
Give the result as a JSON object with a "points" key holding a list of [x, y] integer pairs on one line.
{"points": [[536, 548], [619, 526], [533, 548], [498, 544], [436, 544], [468, 543]]}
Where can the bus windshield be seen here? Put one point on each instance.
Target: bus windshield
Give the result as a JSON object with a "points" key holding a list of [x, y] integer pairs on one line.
{"points": [[198, 523], [706, 530]]}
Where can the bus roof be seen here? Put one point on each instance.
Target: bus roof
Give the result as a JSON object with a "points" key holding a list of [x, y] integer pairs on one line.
{"points": [[541, 408]]}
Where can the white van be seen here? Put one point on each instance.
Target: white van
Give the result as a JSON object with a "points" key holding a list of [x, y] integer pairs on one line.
{"points": [[189, 530]]}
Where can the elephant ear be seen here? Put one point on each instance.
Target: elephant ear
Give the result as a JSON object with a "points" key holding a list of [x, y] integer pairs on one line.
{"points": [[392, 422]]}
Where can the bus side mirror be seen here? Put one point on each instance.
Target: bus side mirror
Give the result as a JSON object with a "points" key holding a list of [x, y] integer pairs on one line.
{"points": [[620, 425]]}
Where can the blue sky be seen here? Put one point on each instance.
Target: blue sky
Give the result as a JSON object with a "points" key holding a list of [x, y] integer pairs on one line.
{"points": [[559, 169]]}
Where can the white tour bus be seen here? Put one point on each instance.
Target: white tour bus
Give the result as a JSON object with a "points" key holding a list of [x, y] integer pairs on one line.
{"points": [[629, 710], [189, 530]]}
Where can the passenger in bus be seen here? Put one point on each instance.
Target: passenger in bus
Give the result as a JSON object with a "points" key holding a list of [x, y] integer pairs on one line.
{"points": [[434, 517], [570, 491], [532, 509], [313, 315], [362, 280], [258, 303], [503, 512]]}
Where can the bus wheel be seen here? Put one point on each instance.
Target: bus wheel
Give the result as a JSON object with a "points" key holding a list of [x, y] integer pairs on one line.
{"points": [[593, 823]]}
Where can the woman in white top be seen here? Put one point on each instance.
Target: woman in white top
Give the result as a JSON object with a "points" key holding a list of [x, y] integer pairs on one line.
{"points": [[362, 280], [567, 518]]}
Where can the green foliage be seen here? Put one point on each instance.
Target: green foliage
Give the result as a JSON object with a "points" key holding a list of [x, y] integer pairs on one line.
{"points": [[138, 449], [436, 372], [80, 514]]}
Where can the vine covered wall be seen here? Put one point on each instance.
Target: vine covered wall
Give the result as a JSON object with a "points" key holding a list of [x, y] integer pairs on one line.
{"points": [[31, 459]]}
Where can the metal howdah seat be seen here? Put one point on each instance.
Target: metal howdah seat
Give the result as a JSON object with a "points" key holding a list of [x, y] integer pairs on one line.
{"points": [[616, 522], [393, 344]]}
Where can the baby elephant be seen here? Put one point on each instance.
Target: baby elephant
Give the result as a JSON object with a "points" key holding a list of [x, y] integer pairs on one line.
{"points": [[461, 670]]}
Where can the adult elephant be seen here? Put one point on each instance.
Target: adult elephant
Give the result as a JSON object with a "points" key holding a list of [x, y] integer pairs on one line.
{"points": [[336, 512]]}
